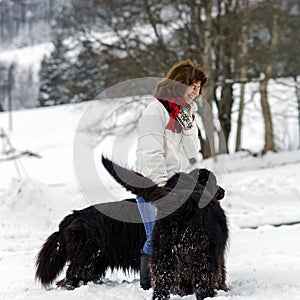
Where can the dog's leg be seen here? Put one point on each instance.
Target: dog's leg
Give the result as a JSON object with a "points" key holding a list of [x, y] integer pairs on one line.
{"points": [[162, 287], [203, 277], [87, 263], [162, 273], [220, 276], [83, 270]]}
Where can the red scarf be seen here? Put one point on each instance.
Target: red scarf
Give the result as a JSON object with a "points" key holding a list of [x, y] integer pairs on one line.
{"points": [[173, 106]]}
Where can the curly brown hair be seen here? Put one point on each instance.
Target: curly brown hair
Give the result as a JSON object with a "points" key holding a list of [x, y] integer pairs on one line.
{"points": [[181, 75]]}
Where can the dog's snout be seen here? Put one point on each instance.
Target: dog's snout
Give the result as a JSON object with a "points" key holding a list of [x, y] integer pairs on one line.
{"points": [[220, 193]]}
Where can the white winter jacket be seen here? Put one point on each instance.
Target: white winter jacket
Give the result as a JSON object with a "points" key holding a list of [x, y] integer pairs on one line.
{"points": [[160, 151]]}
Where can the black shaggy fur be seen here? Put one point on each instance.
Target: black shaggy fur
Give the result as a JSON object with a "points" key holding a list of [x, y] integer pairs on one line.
{"points": [[189, 237], [189, 245], [91, 242]]}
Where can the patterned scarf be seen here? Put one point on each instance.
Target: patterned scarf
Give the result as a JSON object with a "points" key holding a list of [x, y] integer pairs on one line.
{"points": [[173, 106]]}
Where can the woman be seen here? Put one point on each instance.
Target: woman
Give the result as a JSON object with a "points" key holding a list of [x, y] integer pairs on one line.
{"points": [[168, 139]]}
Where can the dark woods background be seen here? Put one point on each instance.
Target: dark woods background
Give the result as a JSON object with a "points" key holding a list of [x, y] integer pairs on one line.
{"points": [[99, 43]]}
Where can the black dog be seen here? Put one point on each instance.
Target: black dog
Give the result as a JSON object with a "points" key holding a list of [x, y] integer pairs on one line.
{"points": [[189, 242], [92, 242], [190, 233]]}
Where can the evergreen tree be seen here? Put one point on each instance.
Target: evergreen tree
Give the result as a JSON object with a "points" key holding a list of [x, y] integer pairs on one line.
{"points": [[85, 73], [54, 80]]}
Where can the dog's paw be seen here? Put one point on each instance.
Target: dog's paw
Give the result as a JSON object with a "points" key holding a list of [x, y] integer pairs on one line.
{"points": [[65, 284]]}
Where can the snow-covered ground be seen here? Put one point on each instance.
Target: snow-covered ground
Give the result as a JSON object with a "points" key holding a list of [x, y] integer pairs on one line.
{"points": [[263, 261]]}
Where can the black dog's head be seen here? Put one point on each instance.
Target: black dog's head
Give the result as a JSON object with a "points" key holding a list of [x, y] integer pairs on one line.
{"points": [[202, 179], [190, 191], [208, 179]]}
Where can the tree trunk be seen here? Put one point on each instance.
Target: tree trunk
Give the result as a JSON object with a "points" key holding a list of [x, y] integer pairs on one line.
{"points": [[240, 119], [205, 111], [208, 147], [226, 57], [245, 37], [298, 102], [225, 107], [269, 137]]}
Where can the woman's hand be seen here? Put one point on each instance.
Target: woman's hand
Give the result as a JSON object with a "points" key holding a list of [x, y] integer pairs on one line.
{"points": [[185, 117]]}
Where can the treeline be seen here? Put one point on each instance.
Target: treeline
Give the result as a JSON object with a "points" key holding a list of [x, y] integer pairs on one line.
{"points": [[235, 41], [98, 43]]}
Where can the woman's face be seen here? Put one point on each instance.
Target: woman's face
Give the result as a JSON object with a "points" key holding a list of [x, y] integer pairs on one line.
{"points": [[191, 92]]}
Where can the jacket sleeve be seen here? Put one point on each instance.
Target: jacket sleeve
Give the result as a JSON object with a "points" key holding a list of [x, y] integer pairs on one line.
{"points": [[151, 141], [191, 142]]}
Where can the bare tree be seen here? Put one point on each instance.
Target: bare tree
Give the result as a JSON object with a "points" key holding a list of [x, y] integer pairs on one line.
{"points": [[297, 91], [229, 39], [271, 58], [208, 145], [244, 57]]}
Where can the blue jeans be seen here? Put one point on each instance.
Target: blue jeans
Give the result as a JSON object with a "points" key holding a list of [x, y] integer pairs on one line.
{"points": [[147, 211]]}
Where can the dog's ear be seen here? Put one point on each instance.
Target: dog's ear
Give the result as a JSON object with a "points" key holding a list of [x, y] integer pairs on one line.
{"points": [[202, 175], [195, 173], [208, 179], [179, 189]]}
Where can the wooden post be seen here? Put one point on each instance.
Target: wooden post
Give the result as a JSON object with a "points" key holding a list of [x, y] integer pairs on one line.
{"points": [[9, 88]]}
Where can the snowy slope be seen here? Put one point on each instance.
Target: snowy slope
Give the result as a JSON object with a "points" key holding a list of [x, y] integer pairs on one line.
{"points": [[263, 261], [27, 56]]}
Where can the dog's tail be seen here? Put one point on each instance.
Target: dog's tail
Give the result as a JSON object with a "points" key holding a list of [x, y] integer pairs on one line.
{"points": [[134, 182], [51, 259]]}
